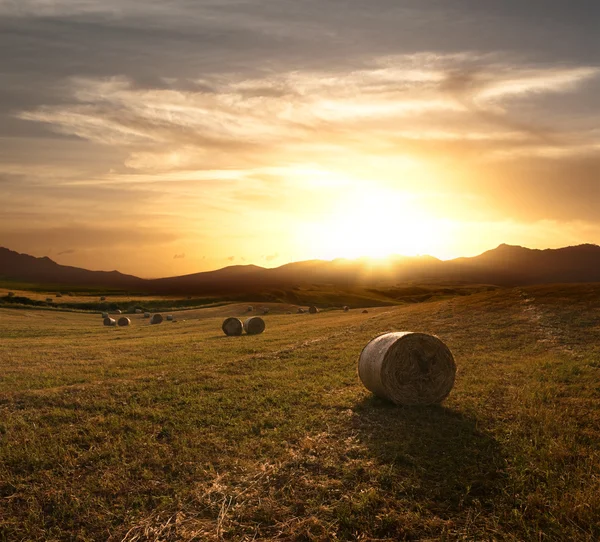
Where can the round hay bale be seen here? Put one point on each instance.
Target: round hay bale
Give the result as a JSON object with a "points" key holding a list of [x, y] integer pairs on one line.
{"points": [[103, 298], [313, 310], [300, 310], [365, 311], [156, 319], [117, 311], [170, 317], [289, 312], [110, 321], [254, 325], [11, 294], [266, 310], [250, 309], [104, 315], [49, 300], [124, 321], [232, 326], [407, 368], [346, 308], [59, 295], [146, 315]]}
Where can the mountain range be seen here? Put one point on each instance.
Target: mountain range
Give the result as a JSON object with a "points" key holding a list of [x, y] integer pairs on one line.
{"points": [[506, 265]]}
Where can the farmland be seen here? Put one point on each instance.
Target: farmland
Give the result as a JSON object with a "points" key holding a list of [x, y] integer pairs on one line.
{"points": [[176, 432]]}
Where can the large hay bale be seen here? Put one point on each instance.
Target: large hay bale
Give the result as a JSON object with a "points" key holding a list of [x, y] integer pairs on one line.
{"points": [[232, 326], [146, 315], [156, 319], [170, 317], [254, 325], [110, 321], [124, 321], [407, 368], [365, 311], [104, 315], [346, 308], [313, 310]]}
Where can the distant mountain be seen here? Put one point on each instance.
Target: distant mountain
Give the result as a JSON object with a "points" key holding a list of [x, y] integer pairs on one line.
{"points": [[27, 268], [505, 265]]}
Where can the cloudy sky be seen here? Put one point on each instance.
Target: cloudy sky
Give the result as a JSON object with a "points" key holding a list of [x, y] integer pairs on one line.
{"points": [[164, 137]]}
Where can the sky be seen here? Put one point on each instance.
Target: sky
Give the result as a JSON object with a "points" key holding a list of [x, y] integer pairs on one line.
{"points": [[165, 137]]}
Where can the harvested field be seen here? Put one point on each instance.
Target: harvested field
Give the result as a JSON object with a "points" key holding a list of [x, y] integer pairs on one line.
{"points": [[179, 433]]}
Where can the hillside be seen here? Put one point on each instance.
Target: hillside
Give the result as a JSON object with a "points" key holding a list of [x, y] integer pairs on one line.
{"points": [[505, 266]]}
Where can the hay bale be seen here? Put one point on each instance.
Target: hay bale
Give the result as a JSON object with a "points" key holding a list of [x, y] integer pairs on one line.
{"points": [[124, 321], [118, 311], [254, 325], [59, 295], [365, 311], [146, 315], [313, 310], [49, 300], [300, 310], [346, 308], [138, 311], [103, 298], [11, 294], [289, 312], [170, 317], [232, 326], [108, 321], [407, 368], [156, 319], [250, 309], [266, 310], [104, 315]]}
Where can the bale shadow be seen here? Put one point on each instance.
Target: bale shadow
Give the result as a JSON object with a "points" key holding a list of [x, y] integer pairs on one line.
{"points": [[437, 455]]}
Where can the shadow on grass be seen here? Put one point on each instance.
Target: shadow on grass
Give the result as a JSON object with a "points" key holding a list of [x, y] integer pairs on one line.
{"points": [[433, 454]]}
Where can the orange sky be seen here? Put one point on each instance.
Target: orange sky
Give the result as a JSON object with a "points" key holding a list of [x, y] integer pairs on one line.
{"points": [[164, 138]]}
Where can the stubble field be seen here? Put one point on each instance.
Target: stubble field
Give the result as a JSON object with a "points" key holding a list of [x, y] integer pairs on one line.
{"points": [[177, 432]]}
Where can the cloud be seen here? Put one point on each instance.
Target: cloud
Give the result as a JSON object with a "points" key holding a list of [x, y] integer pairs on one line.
{"points": [[68, 251]]}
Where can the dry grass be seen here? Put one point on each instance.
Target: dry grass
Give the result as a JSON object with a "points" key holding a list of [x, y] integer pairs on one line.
{"points": [[177, 432]]}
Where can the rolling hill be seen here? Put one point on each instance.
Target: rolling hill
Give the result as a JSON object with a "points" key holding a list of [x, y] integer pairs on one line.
{"points": [[505, 265]]}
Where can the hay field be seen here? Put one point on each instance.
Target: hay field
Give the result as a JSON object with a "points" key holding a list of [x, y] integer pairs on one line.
{"points": [[177, 432]]}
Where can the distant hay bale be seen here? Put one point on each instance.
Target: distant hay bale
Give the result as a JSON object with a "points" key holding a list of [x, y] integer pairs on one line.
{"points": [[313, 310], [266, 310], [365, 311], [124, 321], [300, 310], [49, 300], [109, 321], [59, 295], [138, 311], [346, 308], [103, 298], [170, 317], [289, 312], [146, 315], [232, 326], [70, 294], [11, 294], [250, 309], [104, 315], [254, 325], [407, 368], [117, 311], [156, 319]]}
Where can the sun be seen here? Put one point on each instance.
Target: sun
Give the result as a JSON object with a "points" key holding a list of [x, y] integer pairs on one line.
{"points": [[374, 223]]}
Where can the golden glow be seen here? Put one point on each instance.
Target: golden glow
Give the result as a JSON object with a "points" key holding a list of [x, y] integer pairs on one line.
{"points": [[375, 223]]}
